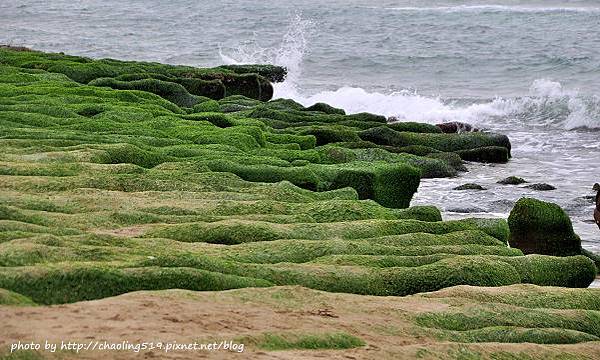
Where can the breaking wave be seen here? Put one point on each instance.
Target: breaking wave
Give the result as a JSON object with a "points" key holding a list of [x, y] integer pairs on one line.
{"points": [[548, 104]]}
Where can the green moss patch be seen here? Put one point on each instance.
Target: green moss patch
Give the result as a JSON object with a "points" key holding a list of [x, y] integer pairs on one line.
{"points": [[11, 298], [286, 341], [118, 176]]}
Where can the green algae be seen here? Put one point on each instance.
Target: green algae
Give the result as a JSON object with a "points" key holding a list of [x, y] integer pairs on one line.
{"points": [[284, 341], [117, 176]]}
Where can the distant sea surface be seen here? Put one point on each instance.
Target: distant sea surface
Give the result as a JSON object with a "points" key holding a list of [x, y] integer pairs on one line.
{"points": [[529, 69]]}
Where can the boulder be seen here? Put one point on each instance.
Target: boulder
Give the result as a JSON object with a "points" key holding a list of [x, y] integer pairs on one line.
{"points": [[538, 227], [469, 186], [541, 187], [273, 73], [456, 127], [325, 108], [486, 154], [512, 180]]}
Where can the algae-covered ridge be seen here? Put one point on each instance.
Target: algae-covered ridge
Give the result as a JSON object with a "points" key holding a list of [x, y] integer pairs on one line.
{"points": [[120, 176]]}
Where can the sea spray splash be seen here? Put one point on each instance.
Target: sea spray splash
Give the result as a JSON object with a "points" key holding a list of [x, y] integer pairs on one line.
{"points": [[547, 104], [289, 53]]}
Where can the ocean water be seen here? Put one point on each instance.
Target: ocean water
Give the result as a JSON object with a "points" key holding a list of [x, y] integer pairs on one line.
{"points": [[529, 69]]}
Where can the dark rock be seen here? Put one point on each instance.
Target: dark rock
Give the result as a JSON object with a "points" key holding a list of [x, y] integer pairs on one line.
{"points": [[541, 187], [486, 154], [502, 205], [271, 72], [538, 227], [250, 85], [456, 127], [470, 186], [512, 180]]}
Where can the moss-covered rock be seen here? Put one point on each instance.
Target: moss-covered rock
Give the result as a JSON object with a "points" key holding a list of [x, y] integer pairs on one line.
{"points": [[469, 186], [391, 185], [165, 89], [330, 134], [152, 181], [11, 298], [325, 108], [541, 187], [512, 180], [486, 154], [456, 127], [273, 73], [538, 227], [442, 142], [52, 285], [238, 231], [411, 126]]}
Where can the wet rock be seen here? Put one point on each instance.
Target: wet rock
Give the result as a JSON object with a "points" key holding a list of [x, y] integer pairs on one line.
{"points": [[469, 186], [512, 180], [273, 73], [538, 227], [541, 187], [502, 205], [456, 127], [486, 154]]}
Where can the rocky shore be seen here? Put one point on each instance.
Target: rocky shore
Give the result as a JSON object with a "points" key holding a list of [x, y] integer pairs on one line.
{"points": [[120, 176]]}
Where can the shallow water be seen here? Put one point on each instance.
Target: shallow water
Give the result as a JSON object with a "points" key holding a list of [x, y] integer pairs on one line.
{"points": [[529, 69]]}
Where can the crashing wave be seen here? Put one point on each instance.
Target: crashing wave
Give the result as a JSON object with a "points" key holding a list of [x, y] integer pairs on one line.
{"points": [[548, 104]]}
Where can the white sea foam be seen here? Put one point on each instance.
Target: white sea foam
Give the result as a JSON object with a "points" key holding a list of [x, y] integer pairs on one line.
{"points": [[547, 104]]}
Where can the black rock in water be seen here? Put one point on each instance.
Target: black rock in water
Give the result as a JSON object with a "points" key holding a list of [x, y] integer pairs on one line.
{"points": [[456, 127], [512, 180], [469, 186], [541, 187]]}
